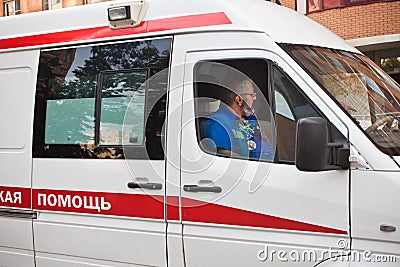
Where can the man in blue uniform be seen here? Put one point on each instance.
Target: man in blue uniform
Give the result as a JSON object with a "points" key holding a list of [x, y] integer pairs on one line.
{"points": [[233, 129]]}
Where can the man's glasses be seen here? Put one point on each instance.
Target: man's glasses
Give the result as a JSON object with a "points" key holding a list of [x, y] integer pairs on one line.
{"points": [[254, 95]]}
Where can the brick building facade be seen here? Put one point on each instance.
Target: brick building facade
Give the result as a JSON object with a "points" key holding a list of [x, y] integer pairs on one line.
{"points": [[373, 26], [354, 22], [15, 7]]}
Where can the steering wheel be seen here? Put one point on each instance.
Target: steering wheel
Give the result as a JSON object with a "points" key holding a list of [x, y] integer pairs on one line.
{"points": [[388, 119]]}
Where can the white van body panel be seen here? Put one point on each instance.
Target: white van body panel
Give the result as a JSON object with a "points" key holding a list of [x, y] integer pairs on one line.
{"points": [[397, 159], [348, 261], [250, 187], [16, 251], [173, 164], [380, 191], [17, 78], [56, 232], [307, 31], [60, 211]]}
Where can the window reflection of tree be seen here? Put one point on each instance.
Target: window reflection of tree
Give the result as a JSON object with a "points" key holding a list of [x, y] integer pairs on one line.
{"points": [[57, 79]]}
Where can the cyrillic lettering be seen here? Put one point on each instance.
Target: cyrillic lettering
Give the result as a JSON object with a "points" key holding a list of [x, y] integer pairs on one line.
{"points": [[64, 201], [74, 202], [52, 200], [91, 205], [18, 197], [8, 197], [43, 197], [104, 204], [67, 201]]}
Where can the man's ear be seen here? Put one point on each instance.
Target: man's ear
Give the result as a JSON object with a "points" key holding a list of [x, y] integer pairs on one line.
{"points": [[239, 100]]}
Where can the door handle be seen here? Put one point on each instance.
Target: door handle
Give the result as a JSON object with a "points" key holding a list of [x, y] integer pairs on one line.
{"points": [[149, 186], [25, 214], [387, 228], [195, 188]]}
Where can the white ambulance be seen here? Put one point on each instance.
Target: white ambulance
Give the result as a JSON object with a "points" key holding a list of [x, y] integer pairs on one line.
{"points": [[103, 161]]}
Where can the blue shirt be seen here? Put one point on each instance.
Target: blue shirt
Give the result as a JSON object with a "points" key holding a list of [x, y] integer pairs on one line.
{"points": [[263, 148], [224, 128], [242, 137]]}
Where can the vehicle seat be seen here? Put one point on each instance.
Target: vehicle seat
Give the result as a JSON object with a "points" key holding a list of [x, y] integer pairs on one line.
{"points": [[207, 93]]}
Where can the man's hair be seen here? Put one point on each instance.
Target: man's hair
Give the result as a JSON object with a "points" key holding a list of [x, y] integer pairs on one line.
{"points": [[232, 88]]}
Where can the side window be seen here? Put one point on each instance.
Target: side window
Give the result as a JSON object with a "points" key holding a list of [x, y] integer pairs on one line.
{"points": [[290, 106], [119, 92], [233, 116], [102, 101]]}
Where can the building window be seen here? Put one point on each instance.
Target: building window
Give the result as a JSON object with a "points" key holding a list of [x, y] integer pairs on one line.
{"points": [[51, 4], [93, 1], [314, 5], [12, 8], [392, 66], [321, 5]]}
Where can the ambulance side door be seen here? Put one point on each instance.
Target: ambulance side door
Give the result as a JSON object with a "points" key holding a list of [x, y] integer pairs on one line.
{"points": [[99, 167], [244, 212], [17, 84]]}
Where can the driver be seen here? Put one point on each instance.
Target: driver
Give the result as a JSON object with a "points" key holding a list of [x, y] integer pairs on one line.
{"points": [[233, 129]]}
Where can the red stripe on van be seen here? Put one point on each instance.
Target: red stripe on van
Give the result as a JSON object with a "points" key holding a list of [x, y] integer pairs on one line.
{"points": [[198, 211], [148, 206], [191, 21], [173, 208], [158, 25], [117, 204], [15, 197]]}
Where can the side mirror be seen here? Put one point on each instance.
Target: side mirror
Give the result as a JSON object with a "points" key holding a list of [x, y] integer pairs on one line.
{"points": [[311, 144], [312, 147]]}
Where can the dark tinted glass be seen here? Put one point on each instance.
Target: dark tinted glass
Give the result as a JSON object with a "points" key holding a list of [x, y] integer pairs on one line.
{"points": [[102, 101]]}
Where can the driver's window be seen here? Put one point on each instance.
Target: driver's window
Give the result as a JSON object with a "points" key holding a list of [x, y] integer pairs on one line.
{"points": [[233, 116], [290, 106], [282, 106]]}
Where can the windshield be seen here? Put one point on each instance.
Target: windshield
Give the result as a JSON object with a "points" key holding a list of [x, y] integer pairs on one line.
{"points": [[363, 90]]}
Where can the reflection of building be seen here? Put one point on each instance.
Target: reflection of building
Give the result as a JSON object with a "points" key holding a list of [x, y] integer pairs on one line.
{"points": [[59, 68], [15, 7], [373, 26], [61, 65]]}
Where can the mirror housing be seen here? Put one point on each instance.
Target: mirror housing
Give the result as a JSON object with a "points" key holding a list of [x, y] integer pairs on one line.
{"points": [[311, 144], [312, 147]]}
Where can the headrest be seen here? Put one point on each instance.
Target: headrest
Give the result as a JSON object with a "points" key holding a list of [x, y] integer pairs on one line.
{"points": [[207, 86]]}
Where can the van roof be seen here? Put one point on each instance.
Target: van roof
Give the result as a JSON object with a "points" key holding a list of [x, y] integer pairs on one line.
{"points": [[83, 23]]}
